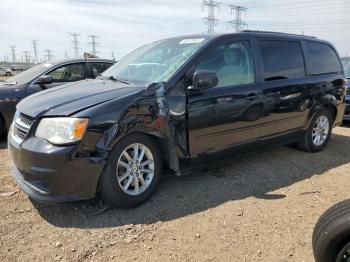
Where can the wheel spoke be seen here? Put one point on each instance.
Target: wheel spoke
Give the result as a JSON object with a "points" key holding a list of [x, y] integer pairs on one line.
{"points": [[128, 183], [142, 180], [147, 162], [124, 176], [136, 151], [127, 156], [147, 171], [136, 184], [142, 153], [123, 164]]}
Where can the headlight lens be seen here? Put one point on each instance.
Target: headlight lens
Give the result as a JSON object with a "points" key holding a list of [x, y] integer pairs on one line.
{"points": [[62, 130]]}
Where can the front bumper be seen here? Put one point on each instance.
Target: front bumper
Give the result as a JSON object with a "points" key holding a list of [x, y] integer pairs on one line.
{"points": [[347, 109], [49, 173]]}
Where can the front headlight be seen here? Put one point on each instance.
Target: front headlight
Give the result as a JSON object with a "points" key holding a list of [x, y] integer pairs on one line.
{"points": [[62, 130]]}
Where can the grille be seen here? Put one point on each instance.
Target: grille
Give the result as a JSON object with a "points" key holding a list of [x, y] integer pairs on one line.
{"points": [[21, 127]]}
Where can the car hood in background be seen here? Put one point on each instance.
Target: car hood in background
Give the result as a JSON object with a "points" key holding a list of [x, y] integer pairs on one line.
{"points": [[70, 98]]}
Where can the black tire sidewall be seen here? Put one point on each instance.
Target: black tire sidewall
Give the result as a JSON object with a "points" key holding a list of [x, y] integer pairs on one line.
{"points": [[309, 141], [111, 192]]}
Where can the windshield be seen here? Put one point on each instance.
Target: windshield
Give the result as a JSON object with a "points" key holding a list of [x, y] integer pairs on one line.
{"points": [[346, 65], [155, 62], [29, 74]]}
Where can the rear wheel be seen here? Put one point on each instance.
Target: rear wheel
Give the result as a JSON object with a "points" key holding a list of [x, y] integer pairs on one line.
{"points": [[8, 74], [132, 173], [319, 132]]}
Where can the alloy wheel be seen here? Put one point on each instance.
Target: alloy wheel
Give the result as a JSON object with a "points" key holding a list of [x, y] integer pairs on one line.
{"points": [[320, 130], [135, 169]]}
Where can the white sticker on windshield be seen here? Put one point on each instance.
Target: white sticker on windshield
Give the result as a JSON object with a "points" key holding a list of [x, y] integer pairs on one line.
{"points": [[191, 41], [47, 65]]}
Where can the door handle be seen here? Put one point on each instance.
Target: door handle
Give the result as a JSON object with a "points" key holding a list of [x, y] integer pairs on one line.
{"points": [[277, 93], [253, 96]]}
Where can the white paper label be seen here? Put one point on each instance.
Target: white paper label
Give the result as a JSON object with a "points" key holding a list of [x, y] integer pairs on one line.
{"points": [[191, 41]]}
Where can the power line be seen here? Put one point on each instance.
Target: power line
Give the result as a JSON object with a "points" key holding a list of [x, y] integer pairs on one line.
{"points": [[13, 53], [26, 57], [35, 51], [238, 24], [94, 43], [210, 20], [75, 44]]}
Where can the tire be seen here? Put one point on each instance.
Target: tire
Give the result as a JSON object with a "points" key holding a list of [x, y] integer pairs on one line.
{"points": [[2, 128], [308, 144], [8, 74], [110, 185], [331, 236]]}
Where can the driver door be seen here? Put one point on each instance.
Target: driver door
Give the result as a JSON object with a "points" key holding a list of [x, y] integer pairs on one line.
{"points": [[228, 114]]}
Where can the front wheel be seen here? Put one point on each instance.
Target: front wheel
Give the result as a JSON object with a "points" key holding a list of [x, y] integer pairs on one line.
{"points": [[319, 132], [132, 173]]}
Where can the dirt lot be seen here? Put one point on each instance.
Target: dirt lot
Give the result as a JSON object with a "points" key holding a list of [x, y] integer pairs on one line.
{"points": [[260, 207]]}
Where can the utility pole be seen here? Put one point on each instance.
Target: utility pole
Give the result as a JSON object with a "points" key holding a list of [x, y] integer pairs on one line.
{"points": [[75, 44], [94, 43], [210, 20], [238, 24], [48, 55], [35, 51], [26, 57], [13, 53]]}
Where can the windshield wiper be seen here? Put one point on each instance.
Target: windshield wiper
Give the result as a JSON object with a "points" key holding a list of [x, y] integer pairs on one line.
{"points": [[119, 80]]}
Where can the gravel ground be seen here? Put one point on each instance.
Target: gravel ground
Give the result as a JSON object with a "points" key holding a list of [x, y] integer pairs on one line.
{"points": [[259, 207]]}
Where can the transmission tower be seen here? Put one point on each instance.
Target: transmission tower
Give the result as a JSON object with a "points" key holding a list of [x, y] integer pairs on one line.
{"points": [[210, 20], [35, 51], [13, 53], [94, 43], [66, 55], [75, 44], [238, 24], [26, 57], [48, 55], [113, 57]]}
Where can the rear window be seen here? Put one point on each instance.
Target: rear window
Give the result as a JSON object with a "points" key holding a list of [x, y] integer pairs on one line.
{"points": [[322, 59], [282, 60]]}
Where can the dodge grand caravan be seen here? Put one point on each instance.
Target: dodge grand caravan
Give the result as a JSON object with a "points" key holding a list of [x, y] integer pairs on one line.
{"points": [[175, 102]]}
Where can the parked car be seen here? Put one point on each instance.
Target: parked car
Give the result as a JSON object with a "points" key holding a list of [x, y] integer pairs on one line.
{"points": [[346, 65], [5, 71], [331, 236], [44, 76], [182, 101]]}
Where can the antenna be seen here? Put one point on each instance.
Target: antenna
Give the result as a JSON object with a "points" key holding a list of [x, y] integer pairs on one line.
{"points": [[238, 24], [210, 20], [75, 44], [94, 43]]}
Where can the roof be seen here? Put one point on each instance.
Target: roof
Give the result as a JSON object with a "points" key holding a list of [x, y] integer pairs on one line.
{"points": [[78, 60]]}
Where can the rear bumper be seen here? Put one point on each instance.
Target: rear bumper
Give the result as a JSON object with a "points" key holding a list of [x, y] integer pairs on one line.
{"points": [[48, 173]]}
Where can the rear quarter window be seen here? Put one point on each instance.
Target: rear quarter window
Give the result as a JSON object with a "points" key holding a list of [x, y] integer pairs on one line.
{"points": [[322, 59]]}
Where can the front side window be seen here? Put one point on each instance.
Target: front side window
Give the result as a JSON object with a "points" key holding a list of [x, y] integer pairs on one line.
{"points": [[282, 60], [98, 68], [322, 59], [232, 62], [156, 62], [69, 73]]}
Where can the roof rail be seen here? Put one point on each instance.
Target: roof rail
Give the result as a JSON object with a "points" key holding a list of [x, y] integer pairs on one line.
{"points": [[271, 32]]}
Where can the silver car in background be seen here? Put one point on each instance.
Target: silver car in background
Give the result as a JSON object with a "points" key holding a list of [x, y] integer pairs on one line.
{"points": [[5, 71], [346, 65]]}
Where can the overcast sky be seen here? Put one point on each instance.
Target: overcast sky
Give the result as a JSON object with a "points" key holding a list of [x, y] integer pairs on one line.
{"points": [[125, 25]]}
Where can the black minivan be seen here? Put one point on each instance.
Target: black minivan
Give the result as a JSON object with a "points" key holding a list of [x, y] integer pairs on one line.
{"points": [[175, 102]]}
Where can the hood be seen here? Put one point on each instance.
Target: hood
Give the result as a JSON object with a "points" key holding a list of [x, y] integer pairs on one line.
{"points": [[70, 98], [11, 91]]}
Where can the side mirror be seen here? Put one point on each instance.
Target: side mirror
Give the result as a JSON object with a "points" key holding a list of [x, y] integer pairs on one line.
{"points": [[44, 80], [203, 79]]}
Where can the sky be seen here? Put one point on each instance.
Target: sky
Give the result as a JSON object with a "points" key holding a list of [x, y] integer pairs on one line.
{"points": [[122, 26]]}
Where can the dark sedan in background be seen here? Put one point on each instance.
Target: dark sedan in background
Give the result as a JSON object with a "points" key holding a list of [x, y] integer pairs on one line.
{"points": [[346, 65], [41, 77]]}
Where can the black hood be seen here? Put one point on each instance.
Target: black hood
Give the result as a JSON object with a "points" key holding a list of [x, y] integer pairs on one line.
{"points": [[70, 98]]}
